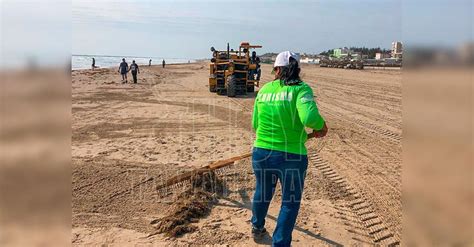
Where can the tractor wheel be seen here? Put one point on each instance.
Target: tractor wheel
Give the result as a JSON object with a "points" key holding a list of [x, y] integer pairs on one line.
{"points": [[231, 86], [212, 89], [221, 91], [250, 89]]}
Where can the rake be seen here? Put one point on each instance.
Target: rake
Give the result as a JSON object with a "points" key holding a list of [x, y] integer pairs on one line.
{"points": [[180, 180]]}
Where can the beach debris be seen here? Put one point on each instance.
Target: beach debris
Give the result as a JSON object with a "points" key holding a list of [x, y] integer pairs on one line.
{"points": [[190, 206]]}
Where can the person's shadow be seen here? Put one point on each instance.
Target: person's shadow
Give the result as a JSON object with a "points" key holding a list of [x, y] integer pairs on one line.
{"points": [[267, 239]]}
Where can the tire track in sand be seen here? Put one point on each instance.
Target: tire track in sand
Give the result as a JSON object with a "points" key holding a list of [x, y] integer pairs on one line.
{"points": [[387, 134], [357, 211]]}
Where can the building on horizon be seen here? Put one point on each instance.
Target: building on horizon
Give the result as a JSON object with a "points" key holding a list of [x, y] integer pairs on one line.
{"points": [[341, 52], [380, 55], [397, 49], [346, 52], [309, 60]]}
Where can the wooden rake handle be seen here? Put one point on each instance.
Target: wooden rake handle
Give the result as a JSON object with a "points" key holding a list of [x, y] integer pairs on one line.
{"points": [[187, 175], [222, 163]]}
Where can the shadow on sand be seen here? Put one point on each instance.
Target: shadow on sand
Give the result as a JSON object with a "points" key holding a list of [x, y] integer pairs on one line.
{"points": [[267, 238]]}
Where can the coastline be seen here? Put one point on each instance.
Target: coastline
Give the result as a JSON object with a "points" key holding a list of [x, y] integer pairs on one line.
{"points": [[141, 65], [81, 62]]}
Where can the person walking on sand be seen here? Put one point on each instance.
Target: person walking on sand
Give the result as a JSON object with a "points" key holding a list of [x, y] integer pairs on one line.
{"points": [[163, 63], [93, 63], [123, 70], [282, 110], [149, 63], [134, 68]]}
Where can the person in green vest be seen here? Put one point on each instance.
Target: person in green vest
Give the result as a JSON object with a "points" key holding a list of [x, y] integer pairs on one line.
{"points": [[282, 110]]}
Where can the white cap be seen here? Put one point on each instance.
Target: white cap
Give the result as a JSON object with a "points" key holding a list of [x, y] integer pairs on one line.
{"points": [[283, 58]]}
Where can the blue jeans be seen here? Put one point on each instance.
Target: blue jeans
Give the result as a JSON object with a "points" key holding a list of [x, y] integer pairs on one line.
{"points": [[290, 169]]}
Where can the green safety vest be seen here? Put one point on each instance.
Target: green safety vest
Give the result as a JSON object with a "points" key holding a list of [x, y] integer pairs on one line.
{"points": [[280, 115]]}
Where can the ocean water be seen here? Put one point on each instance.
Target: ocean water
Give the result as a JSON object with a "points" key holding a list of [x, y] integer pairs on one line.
{"points": [[85, 61]]}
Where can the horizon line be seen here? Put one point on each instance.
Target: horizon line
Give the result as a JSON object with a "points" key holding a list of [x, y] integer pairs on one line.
{"points": [[124, 56]]}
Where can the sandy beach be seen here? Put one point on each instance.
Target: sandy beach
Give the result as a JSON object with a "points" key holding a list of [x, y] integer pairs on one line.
{"points": [[126, 138]]}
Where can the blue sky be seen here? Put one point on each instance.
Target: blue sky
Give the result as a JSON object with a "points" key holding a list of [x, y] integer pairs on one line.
{"points": [[187, 29], [53, 29]]}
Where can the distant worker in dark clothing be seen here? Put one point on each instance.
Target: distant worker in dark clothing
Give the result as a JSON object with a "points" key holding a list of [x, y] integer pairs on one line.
{"points": [[93, 63], [149, 63], [134, 68], [256, 60], [163, 63], [123, 70]]}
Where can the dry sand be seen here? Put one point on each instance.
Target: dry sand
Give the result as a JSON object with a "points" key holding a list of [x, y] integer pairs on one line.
{"points": [[127, 138]]}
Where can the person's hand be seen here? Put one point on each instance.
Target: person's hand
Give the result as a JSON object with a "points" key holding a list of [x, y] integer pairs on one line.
{"points": [[322, 132], [319, 133]]}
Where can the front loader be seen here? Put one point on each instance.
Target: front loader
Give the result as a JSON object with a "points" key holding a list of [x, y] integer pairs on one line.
{"points": [[232, 72]]}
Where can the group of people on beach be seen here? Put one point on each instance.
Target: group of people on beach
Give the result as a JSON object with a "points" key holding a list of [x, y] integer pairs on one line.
{"points": [[124, 69]]}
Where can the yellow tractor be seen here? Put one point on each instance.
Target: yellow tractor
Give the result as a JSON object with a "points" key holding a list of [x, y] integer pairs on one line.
{"points": [[233, 72]]}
